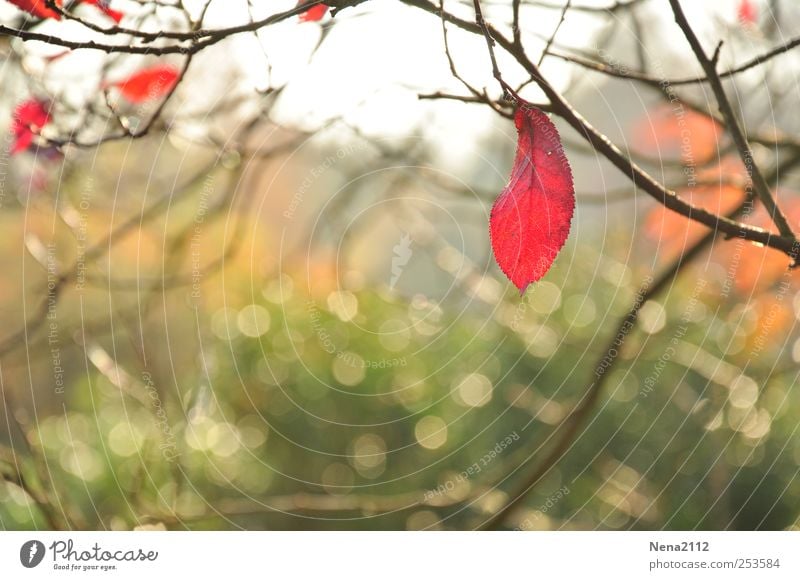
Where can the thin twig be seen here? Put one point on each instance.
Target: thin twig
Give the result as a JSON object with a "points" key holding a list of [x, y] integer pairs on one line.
{"points": [[487, 34], [555, 33], [651, 80]]}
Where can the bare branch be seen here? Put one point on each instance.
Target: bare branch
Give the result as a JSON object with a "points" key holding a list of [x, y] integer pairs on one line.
{"points": [[710, 67]]}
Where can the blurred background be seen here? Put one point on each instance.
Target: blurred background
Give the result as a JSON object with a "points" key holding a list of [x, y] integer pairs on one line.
{"points": [[278, 308]]}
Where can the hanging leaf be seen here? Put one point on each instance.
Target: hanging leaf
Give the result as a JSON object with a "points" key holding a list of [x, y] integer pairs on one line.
{"points": [[148, 84], [38, 8], [530, 220], [29, 118], [313, 14]]}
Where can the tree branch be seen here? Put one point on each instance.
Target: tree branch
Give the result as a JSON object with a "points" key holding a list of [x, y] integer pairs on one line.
{"points": [[655, 81], [710, 67], [604, 146]]}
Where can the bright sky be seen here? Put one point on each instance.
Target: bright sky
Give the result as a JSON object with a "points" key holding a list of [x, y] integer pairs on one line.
{"points": [[375, 61]]}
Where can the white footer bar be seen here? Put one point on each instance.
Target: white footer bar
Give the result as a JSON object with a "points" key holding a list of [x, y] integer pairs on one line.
{"points": [[400, 555]]}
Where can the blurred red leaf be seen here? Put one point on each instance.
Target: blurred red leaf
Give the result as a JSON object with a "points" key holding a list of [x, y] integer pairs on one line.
{"points": [[37, 8], [105, 7], [149, 83], [531, 218], [313, 14], [29, 118], [747, 13]]}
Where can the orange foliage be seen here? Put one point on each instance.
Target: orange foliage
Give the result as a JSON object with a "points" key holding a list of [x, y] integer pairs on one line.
{"points": [[693, 138], [676, 132], [674, 233], [757, 268]]}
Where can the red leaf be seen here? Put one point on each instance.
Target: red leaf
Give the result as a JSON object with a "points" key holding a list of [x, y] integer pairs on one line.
{"points": [[531, 218], [105, 8], [29, 118], [37, 8], [747, 13], [149, 83], [313, 14]]}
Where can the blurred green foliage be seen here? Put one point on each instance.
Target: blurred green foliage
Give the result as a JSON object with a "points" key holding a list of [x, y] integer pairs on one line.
{"points": [[366, 409]]}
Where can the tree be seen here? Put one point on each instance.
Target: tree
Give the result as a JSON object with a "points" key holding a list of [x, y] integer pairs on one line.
{"points": [[139, 60]]}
